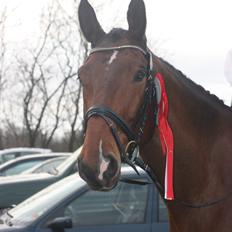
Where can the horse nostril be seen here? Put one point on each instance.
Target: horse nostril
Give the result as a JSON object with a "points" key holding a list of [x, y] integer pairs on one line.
{"points": [[99, 176], [87, 173], [112, 168]]}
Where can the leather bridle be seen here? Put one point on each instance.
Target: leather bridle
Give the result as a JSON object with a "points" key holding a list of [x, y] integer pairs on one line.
{"points": [[129, 153]]}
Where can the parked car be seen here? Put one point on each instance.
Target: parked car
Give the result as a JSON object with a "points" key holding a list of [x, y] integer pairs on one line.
{"points": [[12, 153], [15, 189], [69, 205], [46, 166], [18, 165]]}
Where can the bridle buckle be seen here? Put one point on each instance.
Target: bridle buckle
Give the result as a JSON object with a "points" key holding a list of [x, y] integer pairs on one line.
{"points": [[132, 151]]}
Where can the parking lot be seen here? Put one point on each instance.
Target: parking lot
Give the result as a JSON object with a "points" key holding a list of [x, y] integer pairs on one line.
{"points": [[33, 201]]}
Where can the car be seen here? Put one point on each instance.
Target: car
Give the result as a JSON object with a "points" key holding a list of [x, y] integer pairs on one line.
{"points": [[46, 166], [69, 205], [12, 153], [15, 189], [18, 165]]}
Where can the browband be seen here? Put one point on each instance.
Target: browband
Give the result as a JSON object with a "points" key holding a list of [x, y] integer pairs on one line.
{"points": [[117, 48], [147, 53]]}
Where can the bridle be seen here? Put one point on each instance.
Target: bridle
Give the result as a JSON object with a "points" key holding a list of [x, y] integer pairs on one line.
{"points": [[130, 153]]}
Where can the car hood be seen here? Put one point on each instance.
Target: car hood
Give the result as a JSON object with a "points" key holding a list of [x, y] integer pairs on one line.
{"points": [[5, 228]]}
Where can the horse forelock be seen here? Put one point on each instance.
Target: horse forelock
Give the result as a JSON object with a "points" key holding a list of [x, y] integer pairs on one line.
{"points": [[119, 37]]}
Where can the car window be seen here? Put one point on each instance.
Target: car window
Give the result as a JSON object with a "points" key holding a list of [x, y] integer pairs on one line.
{"points": [[18, 168], [9, 156], [49, 165], [124, 204], [67, 163]]}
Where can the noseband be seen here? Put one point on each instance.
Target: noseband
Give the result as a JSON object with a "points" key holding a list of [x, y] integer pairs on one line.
{"points": [[129, 153]]}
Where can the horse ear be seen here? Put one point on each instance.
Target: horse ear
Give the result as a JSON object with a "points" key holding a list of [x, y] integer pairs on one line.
{"points": [[136, 17], [89, 23]]}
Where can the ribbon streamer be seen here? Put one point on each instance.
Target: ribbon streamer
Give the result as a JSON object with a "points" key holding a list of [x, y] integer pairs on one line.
{"points": [[166, 139]]}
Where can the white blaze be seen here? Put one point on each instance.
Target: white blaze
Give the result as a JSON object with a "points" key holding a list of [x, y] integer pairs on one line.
{"points": [[104, 163], [113, 57]]}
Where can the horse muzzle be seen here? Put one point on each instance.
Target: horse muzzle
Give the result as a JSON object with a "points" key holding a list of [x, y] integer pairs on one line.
{"points": [[103, 176]]}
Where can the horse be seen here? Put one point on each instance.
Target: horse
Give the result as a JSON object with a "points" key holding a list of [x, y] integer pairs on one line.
{"points": [[121, 97]]}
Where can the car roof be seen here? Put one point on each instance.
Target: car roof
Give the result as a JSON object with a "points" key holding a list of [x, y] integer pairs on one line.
{"points": [[25, 149], [16, 179]]}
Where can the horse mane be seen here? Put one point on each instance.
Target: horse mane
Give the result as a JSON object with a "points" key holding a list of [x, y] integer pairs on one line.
{"points": [[117, 34], [194, 85]]}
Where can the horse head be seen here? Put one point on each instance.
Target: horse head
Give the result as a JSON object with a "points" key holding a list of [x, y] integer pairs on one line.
{"points": [[114, 78]]}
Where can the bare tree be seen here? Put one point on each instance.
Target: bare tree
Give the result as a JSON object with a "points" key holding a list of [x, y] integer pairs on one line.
{"points": [[2, 63], [2, 47], [73, 108], [44, 106], [48, 75]]}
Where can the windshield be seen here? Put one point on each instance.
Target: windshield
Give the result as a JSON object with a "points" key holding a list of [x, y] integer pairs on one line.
{"points": [[20, 167], [46, 199], [68, 162]]}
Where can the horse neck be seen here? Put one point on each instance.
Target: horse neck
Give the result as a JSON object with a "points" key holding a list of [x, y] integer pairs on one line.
{"points": [[201, 128]]}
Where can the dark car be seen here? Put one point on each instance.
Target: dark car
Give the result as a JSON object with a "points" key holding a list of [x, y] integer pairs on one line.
{"points": [[15, 189], [69, 205], [23, 163], [12, 153]]}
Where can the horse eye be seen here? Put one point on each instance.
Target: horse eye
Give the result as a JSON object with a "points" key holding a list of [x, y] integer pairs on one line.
{"points": [[139, 76]]}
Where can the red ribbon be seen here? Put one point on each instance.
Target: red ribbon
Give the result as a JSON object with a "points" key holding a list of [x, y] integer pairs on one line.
{"points": [[166, 139]]}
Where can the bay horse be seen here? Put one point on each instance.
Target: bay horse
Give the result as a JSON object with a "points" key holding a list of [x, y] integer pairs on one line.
{"points": [[121, 107]]}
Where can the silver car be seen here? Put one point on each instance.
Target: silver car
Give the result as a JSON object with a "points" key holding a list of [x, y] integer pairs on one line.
{"points": [[12, 153]]}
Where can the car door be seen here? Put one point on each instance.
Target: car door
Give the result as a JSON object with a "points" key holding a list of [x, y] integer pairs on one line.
{"points": [[160, 213], [126, 208]]}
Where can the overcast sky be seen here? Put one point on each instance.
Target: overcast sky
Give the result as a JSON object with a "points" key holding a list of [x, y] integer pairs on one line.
{"points": [[195, 35]]}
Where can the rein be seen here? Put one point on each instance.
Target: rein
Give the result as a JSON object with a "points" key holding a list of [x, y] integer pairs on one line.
{"points": [[130, 153]]}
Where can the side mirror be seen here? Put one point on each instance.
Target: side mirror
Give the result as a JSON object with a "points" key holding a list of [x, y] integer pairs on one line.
{"points": [[60, 223]]}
